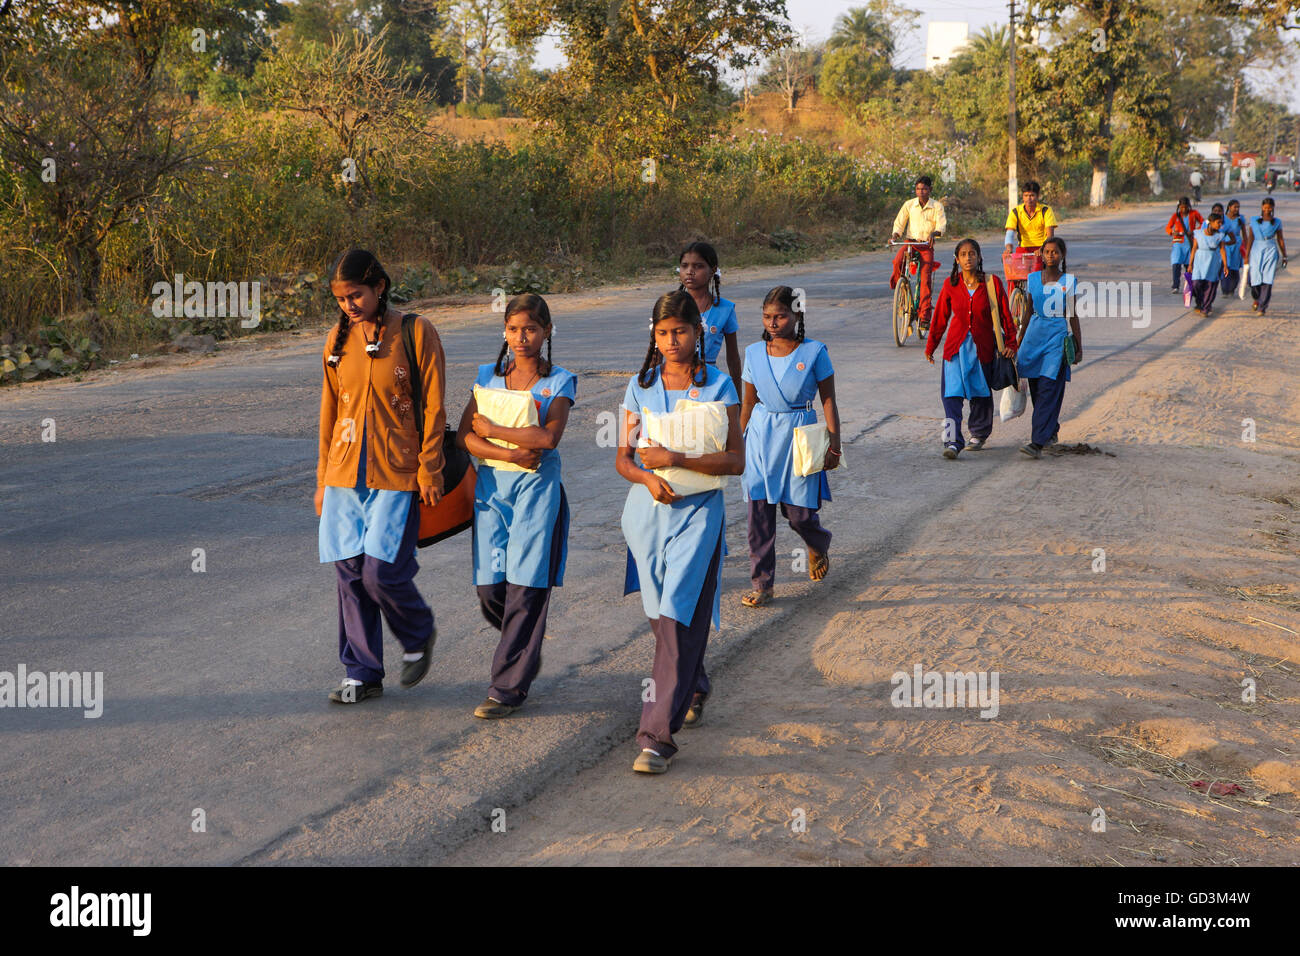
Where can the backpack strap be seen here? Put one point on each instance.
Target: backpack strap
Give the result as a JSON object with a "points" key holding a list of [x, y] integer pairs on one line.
{"points": [[417, 387]]}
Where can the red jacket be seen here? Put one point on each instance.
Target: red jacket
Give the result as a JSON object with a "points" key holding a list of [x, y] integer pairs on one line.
{"points": [[1175, 228], [957, 305]]}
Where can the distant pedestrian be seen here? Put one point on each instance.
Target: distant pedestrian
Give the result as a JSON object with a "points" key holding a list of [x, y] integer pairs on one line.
{"points": [[521, 517], [921, 219], [1196, 179], [1209, 261], [1265, 248], [674, 540], [1047, 351], [372, 471], [786, 376], [1182, 224], [1235, 223], [697, 267], [1031, 223], [966, 313]]}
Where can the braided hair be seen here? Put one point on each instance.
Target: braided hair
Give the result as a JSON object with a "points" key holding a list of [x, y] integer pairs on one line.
{"points": [[681, 306], [1060, 244], [540, 313], [784, 296], [360, 267], [955, 278], [710, 256]]}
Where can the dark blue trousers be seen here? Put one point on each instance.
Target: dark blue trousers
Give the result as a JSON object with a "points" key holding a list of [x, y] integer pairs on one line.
{"points": [[1204, 291], [519, 613], [1047, 395], [762, 537], [1262, 294], [981, 414], [1230, 282], [678, 667], [368, 588]]}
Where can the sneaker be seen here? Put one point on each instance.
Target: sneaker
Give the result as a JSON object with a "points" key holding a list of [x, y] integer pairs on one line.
{"points": [[695, 716], [1032, 450], [348, 693], [951, 452], [413, 671], [975, 444], [647, 761], [492, 708]]}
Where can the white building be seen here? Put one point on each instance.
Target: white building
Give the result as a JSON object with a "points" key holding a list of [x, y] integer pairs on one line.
{"points": [[1211, 149], [944, 40]]}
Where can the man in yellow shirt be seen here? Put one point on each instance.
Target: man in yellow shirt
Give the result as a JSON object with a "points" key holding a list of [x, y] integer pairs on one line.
{"points": [[1030, 224], [919, 220]]}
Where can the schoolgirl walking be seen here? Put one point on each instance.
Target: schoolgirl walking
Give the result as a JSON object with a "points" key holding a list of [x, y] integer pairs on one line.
{"points": [[784, 375], [1049, 347], [521, 517], [697, 267], [674, 541], [373, 468]]}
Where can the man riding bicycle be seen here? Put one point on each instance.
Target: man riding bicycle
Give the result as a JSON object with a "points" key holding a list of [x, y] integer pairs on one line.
{"points": [[1031, 223], [919, 220]]}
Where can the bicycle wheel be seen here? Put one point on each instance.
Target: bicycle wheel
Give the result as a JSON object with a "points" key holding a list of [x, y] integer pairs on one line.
{"points": [[902, 310], [1019, 311]]}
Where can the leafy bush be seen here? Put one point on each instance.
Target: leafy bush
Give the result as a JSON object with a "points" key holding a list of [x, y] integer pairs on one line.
{"points": [[58, 353]]}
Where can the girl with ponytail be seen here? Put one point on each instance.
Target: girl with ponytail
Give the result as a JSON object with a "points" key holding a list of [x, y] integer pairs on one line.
{"points": [[674, 542], [372, 465], [521, 518], [784, 375], [697, 267]]}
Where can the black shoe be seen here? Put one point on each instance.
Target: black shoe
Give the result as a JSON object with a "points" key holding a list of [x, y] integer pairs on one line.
{"points": [[1032, 450], [356, 693], [951, 452], [695, 716], [413, 671], [492, 709]]}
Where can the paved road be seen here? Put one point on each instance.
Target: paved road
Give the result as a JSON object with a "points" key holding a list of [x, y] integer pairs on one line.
{"points": [[215, 682]]}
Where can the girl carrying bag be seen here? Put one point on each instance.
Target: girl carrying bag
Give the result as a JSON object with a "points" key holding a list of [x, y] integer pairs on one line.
{"points": [[454, 511], [509, 408], [1003, 373], [692, 428]]}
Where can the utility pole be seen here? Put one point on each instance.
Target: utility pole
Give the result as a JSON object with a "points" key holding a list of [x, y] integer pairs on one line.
{"points": [[1013, 190], [1232, 132]]}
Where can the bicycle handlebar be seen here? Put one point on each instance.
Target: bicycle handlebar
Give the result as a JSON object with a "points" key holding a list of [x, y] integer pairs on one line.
{"points": [[909, 242]]}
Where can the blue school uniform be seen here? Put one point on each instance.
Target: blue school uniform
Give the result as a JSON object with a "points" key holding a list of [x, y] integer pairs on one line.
{"points": [[1039, 355], [963, 375], [517, 514], [1234, 251], [670, 547], [1180, 252], [361, 520], [1207, 264], [787, 392], [718, 321], [1264, 253]]}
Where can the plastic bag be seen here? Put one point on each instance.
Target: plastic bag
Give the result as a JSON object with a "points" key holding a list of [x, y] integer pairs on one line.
{"points": [[1012, 401]]}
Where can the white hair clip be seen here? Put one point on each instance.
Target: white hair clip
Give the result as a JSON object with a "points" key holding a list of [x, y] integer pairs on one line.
{"points": [[503, 333], [718, 273], [332, 360], [552, 335]]}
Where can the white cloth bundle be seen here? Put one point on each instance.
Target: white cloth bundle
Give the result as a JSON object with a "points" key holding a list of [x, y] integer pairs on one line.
{"points": [[692, 428], [509, 408]]}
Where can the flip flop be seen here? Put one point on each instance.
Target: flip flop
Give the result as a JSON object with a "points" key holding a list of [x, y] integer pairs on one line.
{"points": [[818, 565], [757, 598]]}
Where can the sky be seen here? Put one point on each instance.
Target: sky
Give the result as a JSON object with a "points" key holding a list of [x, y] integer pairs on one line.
{"points": [[817, 17]]}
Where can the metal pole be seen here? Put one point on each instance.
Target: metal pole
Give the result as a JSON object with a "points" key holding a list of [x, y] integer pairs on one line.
{"points": [[1013, 191]]}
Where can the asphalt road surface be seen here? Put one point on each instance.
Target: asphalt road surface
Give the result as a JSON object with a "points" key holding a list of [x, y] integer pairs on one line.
{"points": [[214, 681]]}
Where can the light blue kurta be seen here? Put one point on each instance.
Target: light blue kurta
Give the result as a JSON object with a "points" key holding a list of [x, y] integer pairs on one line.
{"points": [[361, 520], [1040, 354], [1264, 253], [1207, 264], [670, 547], [1181, 252], [518, 515], [1236, 227], [787, 395], [963, 375], [718, 321]]}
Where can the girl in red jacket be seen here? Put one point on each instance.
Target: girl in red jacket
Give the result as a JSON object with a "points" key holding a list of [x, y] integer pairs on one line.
{"points": [[964, 304]]}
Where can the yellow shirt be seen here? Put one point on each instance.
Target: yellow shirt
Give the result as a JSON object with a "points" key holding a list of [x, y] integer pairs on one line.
{"points": [[916, 222], [1033, 231]]}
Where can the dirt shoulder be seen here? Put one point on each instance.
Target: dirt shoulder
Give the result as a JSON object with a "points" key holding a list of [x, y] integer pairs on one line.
{"points": [[1159, 688]]}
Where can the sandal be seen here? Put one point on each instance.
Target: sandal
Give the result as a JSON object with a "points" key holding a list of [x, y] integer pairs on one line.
{"points": [[757, 598], [818, 565]]}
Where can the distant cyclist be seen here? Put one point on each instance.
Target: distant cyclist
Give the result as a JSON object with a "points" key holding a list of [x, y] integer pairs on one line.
{"points": [[1030, 224], [919, 220]]}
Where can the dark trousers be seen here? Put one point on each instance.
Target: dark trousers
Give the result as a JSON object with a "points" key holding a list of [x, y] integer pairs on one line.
{"points": [[1178, 275], [1204, 291], [925, 289], [1230, 282], [519, 613], [369, 587], [981, 415], [1262, 294], [678, 667], [1047, 395], [762, 537]]}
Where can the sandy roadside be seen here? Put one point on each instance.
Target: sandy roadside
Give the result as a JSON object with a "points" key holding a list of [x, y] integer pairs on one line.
{"points": [[1123, 691]]}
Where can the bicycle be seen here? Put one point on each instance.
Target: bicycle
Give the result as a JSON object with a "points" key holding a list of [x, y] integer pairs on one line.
{"points": [[1016, 268], [907, 294]]}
